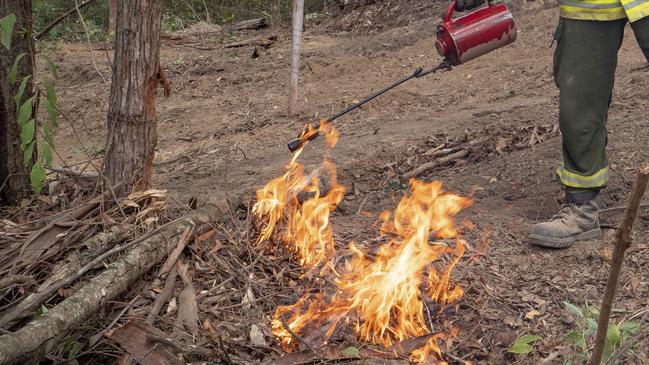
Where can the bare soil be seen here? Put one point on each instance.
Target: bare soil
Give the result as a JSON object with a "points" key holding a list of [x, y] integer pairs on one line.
{"points": [[224, 130]]}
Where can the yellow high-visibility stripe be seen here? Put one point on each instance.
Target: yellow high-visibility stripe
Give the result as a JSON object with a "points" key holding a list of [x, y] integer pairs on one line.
{"points": [[638, 12], [571, 179], [603, 10], [581, 15]]}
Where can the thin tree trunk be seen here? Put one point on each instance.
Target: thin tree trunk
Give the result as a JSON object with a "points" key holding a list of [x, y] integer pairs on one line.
{"points": [[298, 22], [14, 177], [622, 243], [132, 114], [112, 15]]}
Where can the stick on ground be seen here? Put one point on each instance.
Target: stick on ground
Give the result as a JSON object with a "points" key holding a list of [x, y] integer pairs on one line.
{"points": [[622, 243], [41, 334]]}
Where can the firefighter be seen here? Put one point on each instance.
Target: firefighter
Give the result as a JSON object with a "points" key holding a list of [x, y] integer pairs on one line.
{"points": [[587, 38]]}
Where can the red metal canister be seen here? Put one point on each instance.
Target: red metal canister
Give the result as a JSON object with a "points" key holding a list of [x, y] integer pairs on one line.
{"points": [[474, 34]]}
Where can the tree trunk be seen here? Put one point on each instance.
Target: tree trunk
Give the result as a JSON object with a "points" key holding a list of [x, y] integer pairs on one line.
{"points": [[131, 114], [112, 14], [298, 22], [14, 177]]}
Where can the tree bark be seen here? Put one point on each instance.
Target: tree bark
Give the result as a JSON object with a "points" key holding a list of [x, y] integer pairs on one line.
{"points": [[112, 15], [14, 176], [132, 114], [298, 22]]}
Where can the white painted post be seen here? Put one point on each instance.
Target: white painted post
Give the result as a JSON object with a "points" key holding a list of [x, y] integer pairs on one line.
{"points": [[298, 22]]}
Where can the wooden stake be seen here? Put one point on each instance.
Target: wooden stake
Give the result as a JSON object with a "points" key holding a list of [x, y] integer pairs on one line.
{"points": [[298, 22], [622, 243]]}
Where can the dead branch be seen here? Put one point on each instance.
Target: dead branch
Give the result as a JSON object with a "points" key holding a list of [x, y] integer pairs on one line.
{"points": [[73, 173], [248, 24], [11, 280], [622, 243], [39, 242], [59, 19], [173, 257], [438, 162], [263, 41], [40, 335], [163, 297], [90, 249]]}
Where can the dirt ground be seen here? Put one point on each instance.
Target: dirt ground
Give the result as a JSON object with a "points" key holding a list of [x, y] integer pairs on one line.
{"points": [[224, 131]]}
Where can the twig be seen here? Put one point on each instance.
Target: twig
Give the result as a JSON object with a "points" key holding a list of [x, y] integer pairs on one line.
{"points": [[297, 337], [11, 280], [438, 162], [173, 256], [19, 309], [74, 173], [642, 206], [94, 339], [4, 183], [92, 54], [622, 243], [187, 349], [164, 296]]}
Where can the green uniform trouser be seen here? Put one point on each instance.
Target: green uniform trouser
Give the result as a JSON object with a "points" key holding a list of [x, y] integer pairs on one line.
{"points": [[584, 70]]}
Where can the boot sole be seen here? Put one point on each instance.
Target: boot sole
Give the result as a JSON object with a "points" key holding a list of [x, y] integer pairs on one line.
{"points": [[552, 242]]}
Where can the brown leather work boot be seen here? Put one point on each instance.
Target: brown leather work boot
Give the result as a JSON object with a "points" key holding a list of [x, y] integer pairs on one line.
{"points": [[574, 222]]}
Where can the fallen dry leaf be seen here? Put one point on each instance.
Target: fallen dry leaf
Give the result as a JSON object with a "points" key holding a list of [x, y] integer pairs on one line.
{"points": [[532, 314], [257, 337]]}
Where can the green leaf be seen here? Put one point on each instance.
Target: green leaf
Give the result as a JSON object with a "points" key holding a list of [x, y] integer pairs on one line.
{"points": [[43, 310], [591, 326], [25, 112], [14, 68], [574, 309], [520, 348], [46, 153], [7, 28], [51, 65], [27, 154], [52, 101], [21, 90], [613, 335], [27, 132], [352, 352], [37, 176], [577, 339], [528, 339], [631, 327], [524, 344]]}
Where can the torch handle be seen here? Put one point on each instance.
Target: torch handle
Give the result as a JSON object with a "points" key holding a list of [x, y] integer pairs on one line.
{"points": [[419, 72]]}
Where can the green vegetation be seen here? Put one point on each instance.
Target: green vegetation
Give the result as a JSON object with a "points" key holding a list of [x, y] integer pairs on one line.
{"points": [[36, 134], [586, 322], [581, 338], [178, 14]]}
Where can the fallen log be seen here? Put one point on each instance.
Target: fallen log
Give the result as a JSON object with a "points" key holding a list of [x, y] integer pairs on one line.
{"points": [[75, 261], [263, 41], [249, 24], [38, 337]]}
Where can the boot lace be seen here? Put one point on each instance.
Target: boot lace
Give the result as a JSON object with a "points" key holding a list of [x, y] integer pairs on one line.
{"points": [[564, 212]]}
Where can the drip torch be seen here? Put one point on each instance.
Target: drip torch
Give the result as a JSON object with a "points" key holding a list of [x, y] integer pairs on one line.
{"points": [[458, 40]]}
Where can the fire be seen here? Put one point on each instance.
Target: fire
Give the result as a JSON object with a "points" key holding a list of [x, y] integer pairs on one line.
{"points": [[306, 224], [381, 296]]}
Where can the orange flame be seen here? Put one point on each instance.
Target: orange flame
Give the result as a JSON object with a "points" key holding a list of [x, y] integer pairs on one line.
{"points": [[381, 297], [307, 230]]}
